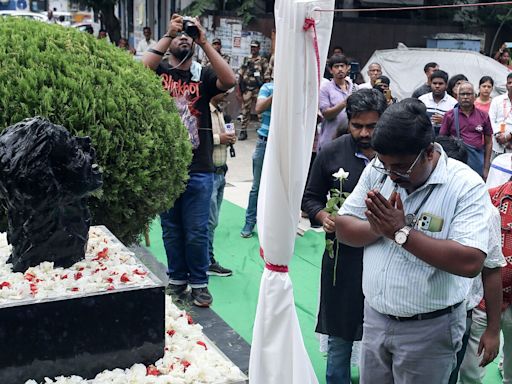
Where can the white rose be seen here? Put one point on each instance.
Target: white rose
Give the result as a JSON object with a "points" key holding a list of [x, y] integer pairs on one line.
{"points": [[341, 174]]}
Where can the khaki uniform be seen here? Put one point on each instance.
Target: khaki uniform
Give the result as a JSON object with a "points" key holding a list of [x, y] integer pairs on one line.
{"points": [[205, 62], [252, 74]]}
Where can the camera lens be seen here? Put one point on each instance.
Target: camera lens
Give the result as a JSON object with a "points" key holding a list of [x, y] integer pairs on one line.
{"points": [[190, 29]]}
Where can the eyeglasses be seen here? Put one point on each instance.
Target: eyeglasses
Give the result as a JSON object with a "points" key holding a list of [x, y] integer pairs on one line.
{"points": [[405, 175]]}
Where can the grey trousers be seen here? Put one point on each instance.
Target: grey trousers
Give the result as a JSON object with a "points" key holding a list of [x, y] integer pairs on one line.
{"points": [[410, 352]]}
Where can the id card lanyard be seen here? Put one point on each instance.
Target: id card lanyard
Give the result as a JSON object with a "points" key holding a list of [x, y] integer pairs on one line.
{"points": [[412, 218]]}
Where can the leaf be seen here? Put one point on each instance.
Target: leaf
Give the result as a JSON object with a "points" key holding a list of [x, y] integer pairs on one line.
{"points": [[329, 247]]}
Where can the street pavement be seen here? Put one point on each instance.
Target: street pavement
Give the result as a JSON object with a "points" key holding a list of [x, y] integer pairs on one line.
{"points": [[239, 176]]}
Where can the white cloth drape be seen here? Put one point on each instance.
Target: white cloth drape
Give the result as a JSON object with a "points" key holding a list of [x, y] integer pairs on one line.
{"points": [[500, 171], [278, 355]]}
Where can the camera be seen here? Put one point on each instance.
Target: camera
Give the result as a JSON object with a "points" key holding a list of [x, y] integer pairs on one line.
{"points": [[355, 69], [190, 27]]}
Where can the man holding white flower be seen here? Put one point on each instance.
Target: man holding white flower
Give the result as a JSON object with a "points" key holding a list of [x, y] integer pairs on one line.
{"points": [[340, 163]]}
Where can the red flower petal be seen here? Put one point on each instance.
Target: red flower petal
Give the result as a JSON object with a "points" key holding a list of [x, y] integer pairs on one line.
{"points": [[125, 278], [189, 319], [101, 255], [74, 289], [139, 272], [64, 277], [201, 343], [78, 275], [5, 284], [151, 370], [110, 280], [185, 364], [110, 288], [171, 332], [33, 288], [29, 276]]}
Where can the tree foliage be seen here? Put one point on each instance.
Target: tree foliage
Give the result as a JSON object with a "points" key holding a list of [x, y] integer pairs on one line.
{"points": [[95, 89], [244, 8]]}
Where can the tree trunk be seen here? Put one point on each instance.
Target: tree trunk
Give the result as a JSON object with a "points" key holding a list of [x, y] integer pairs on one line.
{"points": [[109, 20]]}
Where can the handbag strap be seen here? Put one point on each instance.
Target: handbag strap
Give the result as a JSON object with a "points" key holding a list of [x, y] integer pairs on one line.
{"points": [[456, 117]]}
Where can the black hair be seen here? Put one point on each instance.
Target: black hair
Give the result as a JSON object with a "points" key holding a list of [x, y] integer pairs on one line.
{"points": [[439, 74], [509, 75], [365, 100], [338, 47], [403, 129], [453, 80], [430, 65], [453, 148], [337, 59], [486, 79], [146, 28]]}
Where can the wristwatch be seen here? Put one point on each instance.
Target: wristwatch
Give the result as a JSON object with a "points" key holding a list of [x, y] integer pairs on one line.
{"points": [[401, 235]]}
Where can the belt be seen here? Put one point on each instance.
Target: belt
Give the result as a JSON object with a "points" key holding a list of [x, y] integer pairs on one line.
{"points": [[264, 138], [427, 316], [221, 170]]}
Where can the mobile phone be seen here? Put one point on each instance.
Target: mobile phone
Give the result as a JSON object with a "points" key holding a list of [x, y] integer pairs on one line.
{"points": [[508, 45], [431, 223]]}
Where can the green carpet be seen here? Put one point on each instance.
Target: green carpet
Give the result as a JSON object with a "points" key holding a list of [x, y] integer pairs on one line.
{"points": [[235, 297]]}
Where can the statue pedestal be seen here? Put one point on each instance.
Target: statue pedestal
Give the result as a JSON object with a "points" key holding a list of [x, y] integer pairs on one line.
{"points": [[82, 334]]}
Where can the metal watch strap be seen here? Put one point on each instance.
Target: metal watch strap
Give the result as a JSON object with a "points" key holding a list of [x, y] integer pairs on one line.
{"points": [[405, 230]]}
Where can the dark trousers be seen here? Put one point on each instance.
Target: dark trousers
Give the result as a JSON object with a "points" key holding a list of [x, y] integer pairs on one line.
{"points": [[185, 232]]}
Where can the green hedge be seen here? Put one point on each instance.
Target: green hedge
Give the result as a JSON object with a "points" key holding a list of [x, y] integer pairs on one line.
{"points": [[93, 88]]}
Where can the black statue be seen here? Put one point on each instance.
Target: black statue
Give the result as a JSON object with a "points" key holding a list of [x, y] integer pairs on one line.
{"points": [[46, 175]]}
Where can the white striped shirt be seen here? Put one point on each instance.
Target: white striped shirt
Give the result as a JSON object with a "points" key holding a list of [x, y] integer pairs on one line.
{"points": [[396, 282]]}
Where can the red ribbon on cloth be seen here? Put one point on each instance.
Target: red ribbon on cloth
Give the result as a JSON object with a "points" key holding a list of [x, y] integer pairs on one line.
{"points": [[309, 23], [273, 267]]}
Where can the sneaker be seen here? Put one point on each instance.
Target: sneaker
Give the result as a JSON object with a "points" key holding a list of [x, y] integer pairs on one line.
{"points": [[201, 297], [246, 232], [178, 292], [216, 269]]}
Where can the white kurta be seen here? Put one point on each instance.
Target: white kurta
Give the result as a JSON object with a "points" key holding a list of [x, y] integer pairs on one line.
{"points": [[278, 355]]}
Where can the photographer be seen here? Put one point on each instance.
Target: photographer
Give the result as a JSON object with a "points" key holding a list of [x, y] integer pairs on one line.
{"points": [[185, 225]]}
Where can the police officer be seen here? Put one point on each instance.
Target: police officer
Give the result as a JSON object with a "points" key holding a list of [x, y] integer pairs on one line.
{"points": [[217, 45], [251, 76]]}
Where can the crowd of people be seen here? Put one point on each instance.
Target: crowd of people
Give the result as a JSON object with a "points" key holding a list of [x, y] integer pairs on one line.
{"points": [[419, 274], [421, 270]]}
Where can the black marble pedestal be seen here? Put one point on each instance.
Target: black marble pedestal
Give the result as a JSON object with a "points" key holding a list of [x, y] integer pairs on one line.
{"points": [[82, 335]]}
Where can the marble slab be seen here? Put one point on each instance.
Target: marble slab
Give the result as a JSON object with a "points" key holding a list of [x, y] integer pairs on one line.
{"points": [[82, 334]]}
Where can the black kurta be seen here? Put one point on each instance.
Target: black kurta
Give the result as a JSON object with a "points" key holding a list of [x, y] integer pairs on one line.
{"points": [[341, 306]]}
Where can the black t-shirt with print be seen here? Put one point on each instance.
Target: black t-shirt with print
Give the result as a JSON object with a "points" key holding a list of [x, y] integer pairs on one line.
{"points": [[192, 100]]}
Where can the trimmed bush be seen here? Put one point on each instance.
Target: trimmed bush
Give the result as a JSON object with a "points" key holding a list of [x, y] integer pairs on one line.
{"points": [[95, 89]]}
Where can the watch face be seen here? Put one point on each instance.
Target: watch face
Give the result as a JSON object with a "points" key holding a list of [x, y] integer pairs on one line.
{"points": [[400, 237]]}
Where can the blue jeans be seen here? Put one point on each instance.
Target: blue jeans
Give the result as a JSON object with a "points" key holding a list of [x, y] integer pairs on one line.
{"points": [[257, 165], [219, 182], [339, 352], [185, 233]]}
